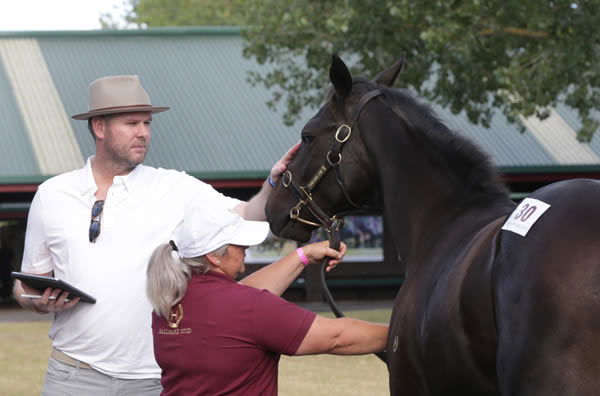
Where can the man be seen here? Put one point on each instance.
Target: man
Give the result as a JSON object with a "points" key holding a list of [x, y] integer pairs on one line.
{"points": [[95, 228]]}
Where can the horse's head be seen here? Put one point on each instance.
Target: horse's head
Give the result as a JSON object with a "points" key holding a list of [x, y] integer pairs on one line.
{"points": [[331, 175]]}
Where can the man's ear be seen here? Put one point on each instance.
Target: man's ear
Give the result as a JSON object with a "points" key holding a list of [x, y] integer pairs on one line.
{"points": [[99, 126]]}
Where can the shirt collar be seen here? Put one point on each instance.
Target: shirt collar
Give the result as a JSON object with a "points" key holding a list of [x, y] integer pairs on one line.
{"points": [[216, 275], [131, 180], [88, 183]]}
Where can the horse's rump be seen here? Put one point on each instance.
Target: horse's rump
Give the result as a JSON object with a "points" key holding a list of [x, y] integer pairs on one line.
{"points": [[547, 296]]}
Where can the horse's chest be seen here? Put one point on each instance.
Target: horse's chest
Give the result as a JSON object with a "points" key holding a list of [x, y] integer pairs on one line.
{"points": [[405, 345], [431, 340]]}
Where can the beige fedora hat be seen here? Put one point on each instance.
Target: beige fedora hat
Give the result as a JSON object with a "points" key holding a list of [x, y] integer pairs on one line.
{"points": [[117, 94]]}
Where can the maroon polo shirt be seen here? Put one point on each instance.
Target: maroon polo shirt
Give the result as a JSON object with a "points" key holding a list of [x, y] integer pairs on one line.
{"points": [[226, 338]]}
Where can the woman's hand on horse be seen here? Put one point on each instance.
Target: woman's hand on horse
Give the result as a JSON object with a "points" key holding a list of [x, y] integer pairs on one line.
{"points": [[281, 165], [316, 252]]}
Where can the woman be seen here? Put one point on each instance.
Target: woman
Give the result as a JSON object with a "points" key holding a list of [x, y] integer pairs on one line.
{"points": [[213, 335]]}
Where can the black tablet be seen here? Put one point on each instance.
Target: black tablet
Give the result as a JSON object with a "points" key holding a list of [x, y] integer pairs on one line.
{"points": [[41, 283]]}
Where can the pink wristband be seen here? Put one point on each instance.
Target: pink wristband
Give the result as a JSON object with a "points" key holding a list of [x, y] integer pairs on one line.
{"points": [[302, 256]]}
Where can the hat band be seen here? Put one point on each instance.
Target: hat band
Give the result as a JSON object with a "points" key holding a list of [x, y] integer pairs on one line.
{"points": [[120, 107]]}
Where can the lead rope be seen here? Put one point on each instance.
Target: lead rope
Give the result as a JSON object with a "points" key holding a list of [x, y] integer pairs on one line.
{"points": [[334, 243]]}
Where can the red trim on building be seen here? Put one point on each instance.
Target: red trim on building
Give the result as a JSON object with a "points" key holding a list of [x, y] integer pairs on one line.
{"points": [[18, 188], [14, 215], [255, 183], [547, 177]]}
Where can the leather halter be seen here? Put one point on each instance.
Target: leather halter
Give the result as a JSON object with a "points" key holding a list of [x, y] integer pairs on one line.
{"points": [[333, 159], [331, 224]]}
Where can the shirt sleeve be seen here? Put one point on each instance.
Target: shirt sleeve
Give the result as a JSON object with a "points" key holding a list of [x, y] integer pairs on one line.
{"points": [[279, 325], [36, 255], [195, 190]]}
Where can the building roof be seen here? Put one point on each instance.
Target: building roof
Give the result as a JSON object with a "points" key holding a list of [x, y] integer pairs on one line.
{"points": [[219, 126]]}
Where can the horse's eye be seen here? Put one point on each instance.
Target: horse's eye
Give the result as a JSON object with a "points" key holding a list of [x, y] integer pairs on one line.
{"points": [[307, 139]]}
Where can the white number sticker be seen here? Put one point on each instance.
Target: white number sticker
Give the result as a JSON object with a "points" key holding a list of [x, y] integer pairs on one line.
{"points": [[525, 215]]}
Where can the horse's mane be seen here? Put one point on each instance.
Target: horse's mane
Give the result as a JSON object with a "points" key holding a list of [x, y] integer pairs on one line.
{"points": [[471, 166]]}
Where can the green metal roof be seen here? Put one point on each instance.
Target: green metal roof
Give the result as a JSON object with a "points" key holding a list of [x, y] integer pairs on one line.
{"points": [[218, 127]]}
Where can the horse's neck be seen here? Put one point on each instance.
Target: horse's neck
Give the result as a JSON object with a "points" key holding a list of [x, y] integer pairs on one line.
{"points": [[413, 211], [420, 221], [420, 200]]}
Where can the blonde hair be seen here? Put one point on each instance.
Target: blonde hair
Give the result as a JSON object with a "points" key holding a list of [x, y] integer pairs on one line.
{"points": [[168, 276]]}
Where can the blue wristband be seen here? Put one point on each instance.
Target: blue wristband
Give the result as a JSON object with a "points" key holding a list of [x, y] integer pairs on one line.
{"points": [[271, 182]]}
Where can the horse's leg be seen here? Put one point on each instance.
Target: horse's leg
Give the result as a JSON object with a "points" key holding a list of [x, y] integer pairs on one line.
{"points": [[548, 305]]}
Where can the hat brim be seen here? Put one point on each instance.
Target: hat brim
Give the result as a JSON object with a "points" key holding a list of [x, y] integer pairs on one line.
{"points": [[250, 233], [90, 114]]}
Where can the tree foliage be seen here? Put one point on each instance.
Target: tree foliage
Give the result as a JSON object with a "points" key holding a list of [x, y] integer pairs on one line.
{"points": [[521, 56], [141, 13]]}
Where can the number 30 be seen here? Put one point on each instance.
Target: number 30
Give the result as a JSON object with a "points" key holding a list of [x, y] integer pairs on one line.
{"points": [[525, 212]]}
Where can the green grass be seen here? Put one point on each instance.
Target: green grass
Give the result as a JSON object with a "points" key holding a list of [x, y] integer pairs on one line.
{"points": [[336, 375], [26, 347], [23, 357]]}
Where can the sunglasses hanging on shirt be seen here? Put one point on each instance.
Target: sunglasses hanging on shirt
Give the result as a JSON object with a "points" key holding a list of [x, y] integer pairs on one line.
{"points": [[95, 223]]}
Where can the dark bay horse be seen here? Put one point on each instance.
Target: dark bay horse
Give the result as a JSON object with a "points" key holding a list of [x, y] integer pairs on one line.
{"points": [[497, 299]]}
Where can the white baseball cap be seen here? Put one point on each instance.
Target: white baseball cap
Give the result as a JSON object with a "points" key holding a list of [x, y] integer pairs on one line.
{"points": [[205, 230]]}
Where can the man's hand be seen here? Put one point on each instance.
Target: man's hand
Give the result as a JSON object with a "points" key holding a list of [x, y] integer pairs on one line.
{"points": [[254, 209], [52, 300], [281, 165]]}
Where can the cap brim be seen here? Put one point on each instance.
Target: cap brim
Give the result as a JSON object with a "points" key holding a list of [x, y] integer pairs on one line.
{"points": [[250, 233], [206, 230], [88, 115]]}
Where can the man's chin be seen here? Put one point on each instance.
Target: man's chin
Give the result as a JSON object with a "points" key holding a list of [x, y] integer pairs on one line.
{"points": [[136, 160]]}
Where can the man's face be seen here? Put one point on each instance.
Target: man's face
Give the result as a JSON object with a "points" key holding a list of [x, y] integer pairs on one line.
{"points": [[127, 138]]}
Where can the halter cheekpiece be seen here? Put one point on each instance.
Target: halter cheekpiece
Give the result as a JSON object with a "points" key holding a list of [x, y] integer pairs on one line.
{"points": [[333, 159]]}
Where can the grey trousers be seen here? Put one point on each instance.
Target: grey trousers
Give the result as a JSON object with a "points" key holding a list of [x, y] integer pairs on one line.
{"points": [[62, 380]]}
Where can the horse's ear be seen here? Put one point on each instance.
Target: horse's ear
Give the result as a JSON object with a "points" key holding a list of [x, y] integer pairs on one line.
{"points": [[388, 76], [340, 77]]}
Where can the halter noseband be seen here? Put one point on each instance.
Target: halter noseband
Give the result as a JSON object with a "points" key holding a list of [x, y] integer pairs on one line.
{"points": [[333, 159]]}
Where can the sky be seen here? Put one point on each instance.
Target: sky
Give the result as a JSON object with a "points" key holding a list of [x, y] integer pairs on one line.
{"points": [[20, 15]]}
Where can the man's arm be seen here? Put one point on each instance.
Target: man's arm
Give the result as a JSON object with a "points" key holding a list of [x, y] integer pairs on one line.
{"points": [[343, 336], [34, 242], [254, 209]]}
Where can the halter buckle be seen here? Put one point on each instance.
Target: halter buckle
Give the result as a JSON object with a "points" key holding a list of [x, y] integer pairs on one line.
{"points": [[340, 128], [307, 196], [287, 174], [337, 224]]}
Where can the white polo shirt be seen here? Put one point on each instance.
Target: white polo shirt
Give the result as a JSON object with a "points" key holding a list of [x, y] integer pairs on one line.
{"points": [[140, 212]]}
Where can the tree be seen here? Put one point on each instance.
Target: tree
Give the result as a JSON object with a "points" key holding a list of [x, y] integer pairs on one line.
{"points": [[521, 56], [141, 13], [473, 55]]}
